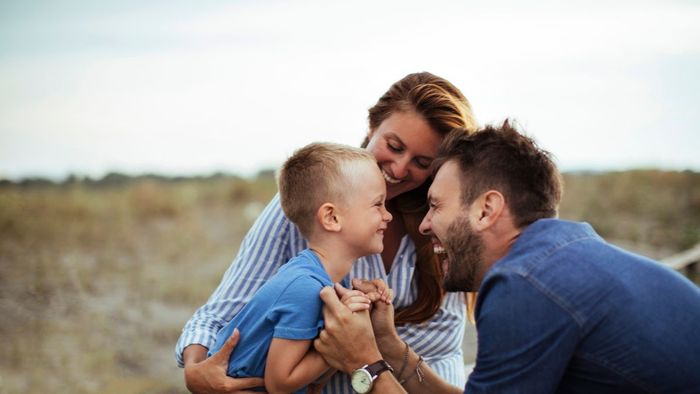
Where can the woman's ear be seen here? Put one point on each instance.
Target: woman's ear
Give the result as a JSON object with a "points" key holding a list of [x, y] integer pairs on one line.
{"points": [[327, 216]]}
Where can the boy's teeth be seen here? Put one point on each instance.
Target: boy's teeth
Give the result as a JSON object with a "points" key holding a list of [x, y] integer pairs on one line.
{"points": [[390, 179]]}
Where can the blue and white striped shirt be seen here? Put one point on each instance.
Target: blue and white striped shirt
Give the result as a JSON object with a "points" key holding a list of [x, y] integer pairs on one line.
{"points": [[272, 241]]}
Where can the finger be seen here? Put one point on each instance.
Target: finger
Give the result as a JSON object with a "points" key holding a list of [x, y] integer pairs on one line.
{"points": [[363, 299], [340, 290], [390, 296], [235, 385], [363, 285], [225, 352], [358, 307], [353, 293], [380, 284], [374, 296], [331, 301]]}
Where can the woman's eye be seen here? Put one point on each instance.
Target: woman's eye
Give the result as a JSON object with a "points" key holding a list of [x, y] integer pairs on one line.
{"points": [[424, 164], [394, 148]]}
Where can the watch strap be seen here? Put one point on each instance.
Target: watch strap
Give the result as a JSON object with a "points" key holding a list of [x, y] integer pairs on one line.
{"points": [[378, 367]]}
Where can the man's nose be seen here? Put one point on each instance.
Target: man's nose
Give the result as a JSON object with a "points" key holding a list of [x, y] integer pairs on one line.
{"points": [[424, 227]]}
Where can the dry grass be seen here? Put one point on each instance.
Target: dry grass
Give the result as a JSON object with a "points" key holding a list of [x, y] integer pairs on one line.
{"points": [[96, 281]]}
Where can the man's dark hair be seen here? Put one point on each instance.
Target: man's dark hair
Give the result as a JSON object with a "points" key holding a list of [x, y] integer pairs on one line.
{"points": [[501, 158]]}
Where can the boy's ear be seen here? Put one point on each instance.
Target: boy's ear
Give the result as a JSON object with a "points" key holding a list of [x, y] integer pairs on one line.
{"points": [[327, 216]]}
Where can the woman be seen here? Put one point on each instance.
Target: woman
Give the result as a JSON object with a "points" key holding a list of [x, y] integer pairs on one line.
{"points": [[406, 125]]}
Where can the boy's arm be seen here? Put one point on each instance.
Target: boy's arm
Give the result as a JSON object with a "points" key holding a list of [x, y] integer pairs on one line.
{"points": [[291, 365]]}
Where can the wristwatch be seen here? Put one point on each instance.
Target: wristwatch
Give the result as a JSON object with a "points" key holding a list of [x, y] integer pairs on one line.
{"points": [[362, 379]]}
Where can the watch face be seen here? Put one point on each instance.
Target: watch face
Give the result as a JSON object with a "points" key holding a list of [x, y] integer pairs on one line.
{"points": [[361, 381]]}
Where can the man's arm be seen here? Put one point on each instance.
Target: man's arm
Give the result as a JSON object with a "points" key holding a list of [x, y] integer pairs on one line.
{"points": [[347, 343], [526, 337], [201, 371], [415, 378], [291, 365]]}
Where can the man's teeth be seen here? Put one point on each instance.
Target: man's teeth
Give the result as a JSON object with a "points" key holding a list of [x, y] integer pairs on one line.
{"points": [[389, 178], [438, 249]]}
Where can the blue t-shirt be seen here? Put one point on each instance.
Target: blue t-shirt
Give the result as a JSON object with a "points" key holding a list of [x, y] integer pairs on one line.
{"points": [[287, 306], [567, 312]]}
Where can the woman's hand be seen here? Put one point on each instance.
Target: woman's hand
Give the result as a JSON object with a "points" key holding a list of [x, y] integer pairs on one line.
{"points": [[208, 375]]}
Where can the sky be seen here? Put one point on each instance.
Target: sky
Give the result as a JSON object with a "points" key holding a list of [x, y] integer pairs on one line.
{"points": [[190, 88]]}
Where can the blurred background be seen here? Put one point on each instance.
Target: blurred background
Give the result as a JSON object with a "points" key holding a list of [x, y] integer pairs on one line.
{"points": [[139, 140]]}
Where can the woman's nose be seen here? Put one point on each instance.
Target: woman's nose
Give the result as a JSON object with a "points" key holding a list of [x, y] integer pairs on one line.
{"points": [[400, 167]]}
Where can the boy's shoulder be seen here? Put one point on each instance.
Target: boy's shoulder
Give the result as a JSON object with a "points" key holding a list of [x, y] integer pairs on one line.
{"points": [[305, 264]]}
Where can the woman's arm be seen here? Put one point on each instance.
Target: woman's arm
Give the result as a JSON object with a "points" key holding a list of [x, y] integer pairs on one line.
{"points": [[291, 365], [269, 244], [211, 372]]}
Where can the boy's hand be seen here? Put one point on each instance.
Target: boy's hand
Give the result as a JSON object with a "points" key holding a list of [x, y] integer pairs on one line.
{"points": [[354, 299], [209, 375], [375, 289]]}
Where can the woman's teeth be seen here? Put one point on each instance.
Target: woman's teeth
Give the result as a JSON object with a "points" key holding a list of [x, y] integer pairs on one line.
{"points": [[389, 179]]}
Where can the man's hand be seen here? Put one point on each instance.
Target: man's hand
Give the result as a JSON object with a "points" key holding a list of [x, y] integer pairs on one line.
{"points": [[208, 375], [347, 341]]}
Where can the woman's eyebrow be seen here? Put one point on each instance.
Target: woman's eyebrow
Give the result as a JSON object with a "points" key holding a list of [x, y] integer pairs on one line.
{"points": [[395, 136]]}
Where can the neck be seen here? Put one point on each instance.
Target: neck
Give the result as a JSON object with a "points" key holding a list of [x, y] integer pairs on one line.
{"points": [[495, 248], [335, 259]]}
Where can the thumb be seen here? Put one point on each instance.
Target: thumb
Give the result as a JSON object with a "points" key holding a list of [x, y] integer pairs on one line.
{"points": [[227, 348], [330, 298], [340, 290], [365, 286]]}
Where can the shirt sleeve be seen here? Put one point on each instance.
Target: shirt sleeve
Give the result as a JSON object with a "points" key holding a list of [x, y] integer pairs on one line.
{"points": [[526, 338], [297, 312], [263, 250]]}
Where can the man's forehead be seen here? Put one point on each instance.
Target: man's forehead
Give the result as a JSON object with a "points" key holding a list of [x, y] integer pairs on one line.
{"points": [[446, 178]]}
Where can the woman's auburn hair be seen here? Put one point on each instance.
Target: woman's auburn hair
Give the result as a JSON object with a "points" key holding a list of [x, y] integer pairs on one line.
{"points": [[445, 108]]}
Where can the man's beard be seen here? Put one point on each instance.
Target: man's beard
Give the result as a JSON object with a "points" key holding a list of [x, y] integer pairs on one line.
{"points": [[464, 249]]}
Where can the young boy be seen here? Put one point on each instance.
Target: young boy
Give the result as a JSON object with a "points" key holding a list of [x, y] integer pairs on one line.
{"points": [[335, 195]]}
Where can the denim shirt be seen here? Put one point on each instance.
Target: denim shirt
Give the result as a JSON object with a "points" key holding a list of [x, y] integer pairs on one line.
{"points": [[566, 312]]}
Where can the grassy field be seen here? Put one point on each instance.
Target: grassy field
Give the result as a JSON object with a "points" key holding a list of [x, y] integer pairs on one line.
{"points": [[97, 278]]}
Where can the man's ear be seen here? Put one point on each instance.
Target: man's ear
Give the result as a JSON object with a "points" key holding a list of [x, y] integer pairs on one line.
{"points": [[327, 216], [487, 209]]}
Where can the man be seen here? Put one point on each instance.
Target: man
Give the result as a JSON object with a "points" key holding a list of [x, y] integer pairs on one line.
{"points": [[558, 310]]}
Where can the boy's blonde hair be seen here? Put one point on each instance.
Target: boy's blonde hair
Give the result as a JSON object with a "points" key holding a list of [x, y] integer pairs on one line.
{"points": [[313, 175]]}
